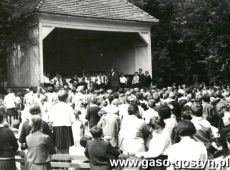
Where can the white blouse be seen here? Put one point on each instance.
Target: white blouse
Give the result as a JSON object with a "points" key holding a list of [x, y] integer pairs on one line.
{"points": [[187, 150], [62, 114]]}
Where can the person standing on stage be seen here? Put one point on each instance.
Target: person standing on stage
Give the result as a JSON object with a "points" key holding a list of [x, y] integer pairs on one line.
{"points": [[136, 80], [148, 79], [61, 117], [123, 81], [114, 80], [141, 78]]}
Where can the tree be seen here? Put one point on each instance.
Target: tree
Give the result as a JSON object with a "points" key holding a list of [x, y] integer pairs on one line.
{"points": [[10, 23], [192, 37]]}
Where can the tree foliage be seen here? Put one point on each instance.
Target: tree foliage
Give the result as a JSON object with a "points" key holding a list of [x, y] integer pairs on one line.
{"points": [[192, 37], [8, 25]]}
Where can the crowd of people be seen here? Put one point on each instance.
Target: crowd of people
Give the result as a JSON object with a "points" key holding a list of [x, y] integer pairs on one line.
{"points": [[103, 80], [176, 123]]}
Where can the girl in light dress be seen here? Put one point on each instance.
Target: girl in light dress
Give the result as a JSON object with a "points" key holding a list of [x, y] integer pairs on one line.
{"points": [[78, 128]]}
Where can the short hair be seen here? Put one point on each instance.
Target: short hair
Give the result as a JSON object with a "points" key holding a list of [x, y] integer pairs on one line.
{"points": [[185, 128], [93, 100], [206, 97], [50, 89], [197, 109], [186, 113], [84, 140], [139, 95], [164, 111], [151, 103], [36, 123], [157, 122], [96, 132], [62, 95], [35, 109], [133, 109], [104, 103], [15, 124], [116, 95]]}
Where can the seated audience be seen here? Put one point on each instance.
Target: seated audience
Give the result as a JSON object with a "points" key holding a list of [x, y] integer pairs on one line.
{"points": [[188, 149]]}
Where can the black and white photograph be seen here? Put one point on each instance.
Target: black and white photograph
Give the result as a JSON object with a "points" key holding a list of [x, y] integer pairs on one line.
{"points": [[115, 84]]}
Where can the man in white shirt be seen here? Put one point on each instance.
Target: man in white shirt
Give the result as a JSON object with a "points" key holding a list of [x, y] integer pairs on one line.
{"points": [[150, 113], [10, 104], [123, 81], [188, 153]]}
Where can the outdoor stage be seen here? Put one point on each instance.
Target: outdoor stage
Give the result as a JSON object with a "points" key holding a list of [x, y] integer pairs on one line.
{"points": [[68, 41]]}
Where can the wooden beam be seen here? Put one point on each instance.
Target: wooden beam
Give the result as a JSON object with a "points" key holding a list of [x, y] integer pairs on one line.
{"points": [[68, 157], [145, 37], [46, 30]]}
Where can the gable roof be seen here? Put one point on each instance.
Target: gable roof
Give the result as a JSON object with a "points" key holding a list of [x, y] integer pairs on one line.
{"points": [[102, 9]]}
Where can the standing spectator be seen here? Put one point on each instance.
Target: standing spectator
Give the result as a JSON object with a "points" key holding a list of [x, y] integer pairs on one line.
{"points": [[28, 98], [204, 131], [27, 126], [78, 128], [92, 113], [141, 78], [187, 149], [133, 131], [164, 113], [114, 80], [18, 106], [61, 117], [99, 152], [148, 80], [110, 123], [208, 111], [150, 113], [10, 105], [135, 80], [158, 145], [104, 80], [40, 147], [8, 147]]}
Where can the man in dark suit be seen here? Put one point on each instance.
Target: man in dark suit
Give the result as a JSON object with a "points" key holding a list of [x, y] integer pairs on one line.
{"points": [[148, 79], [113, 80], [99, 151], [141, 78]]}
